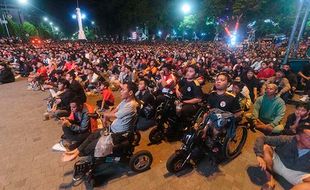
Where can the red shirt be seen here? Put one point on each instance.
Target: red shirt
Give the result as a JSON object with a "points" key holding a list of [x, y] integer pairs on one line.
{"points": [[265, 73], [42, 71], [69, 65], [107, 95]]}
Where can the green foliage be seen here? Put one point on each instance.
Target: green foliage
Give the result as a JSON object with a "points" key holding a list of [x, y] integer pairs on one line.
{"points": [[15, 29], [89, 33], [189, 22], [30, 29]]}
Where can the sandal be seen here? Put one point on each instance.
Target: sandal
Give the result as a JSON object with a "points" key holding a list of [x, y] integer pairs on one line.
{"points": [[267, 186]]}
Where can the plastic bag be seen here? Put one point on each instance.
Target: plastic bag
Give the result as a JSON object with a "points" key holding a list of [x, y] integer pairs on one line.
{"points": [[104, 146]]}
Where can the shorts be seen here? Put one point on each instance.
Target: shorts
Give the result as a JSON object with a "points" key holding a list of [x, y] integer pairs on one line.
{"points": [[292, 176]]}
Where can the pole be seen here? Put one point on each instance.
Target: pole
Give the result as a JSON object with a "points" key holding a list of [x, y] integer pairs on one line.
{"points": [[293, 31], [302, 27], [6, 26]]}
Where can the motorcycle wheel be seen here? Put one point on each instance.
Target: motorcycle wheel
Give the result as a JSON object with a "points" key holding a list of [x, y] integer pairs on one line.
{"points": [[175, 162], [156, 136], [232, 146], [141, 161]]}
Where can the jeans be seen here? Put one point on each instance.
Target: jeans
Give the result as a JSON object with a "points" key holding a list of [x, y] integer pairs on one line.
{"points": [[73, 138], [144, 124]]}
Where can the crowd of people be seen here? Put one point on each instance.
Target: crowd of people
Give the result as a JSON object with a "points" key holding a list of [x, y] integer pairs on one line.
{"points": [[240, 78]]}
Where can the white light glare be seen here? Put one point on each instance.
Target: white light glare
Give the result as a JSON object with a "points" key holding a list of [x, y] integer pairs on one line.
{"points": [[233, 39], [186, 8], [23, 2]]}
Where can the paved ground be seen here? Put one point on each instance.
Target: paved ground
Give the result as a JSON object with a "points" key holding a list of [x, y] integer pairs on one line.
{"points": [[27, 162]]}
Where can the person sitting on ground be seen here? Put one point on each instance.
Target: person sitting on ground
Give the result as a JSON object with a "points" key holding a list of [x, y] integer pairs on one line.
{"points": [[291, 77], [38, 77], [6, 74], [76, 127], [265, 72], [305, 79], [268, 112], [63, 97], [299, 117], [252, 83], [287, 156], [242, 94], [76, 87], [53, 80], [107, 97], [147, 112], [167, 80], [124, 115], [283, 84]]}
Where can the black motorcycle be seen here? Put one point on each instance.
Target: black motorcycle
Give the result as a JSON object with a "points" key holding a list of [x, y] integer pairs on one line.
{"points": [[87, 168], [225, 145], [168, 122]]}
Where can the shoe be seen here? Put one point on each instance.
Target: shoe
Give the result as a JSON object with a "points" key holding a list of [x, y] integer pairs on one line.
{"points": [[59, 147], [304, 98]]}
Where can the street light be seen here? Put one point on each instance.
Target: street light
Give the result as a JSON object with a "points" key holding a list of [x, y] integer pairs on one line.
{"points": [[186, 8], [93, 22], [56, 29], [74, 16], [83, 16], [45, 19], [51, 23], [23, 2]]}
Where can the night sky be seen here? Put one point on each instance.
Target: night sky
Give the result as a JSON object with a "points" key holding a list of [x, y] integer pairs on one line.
{"points": [[60, 12]]}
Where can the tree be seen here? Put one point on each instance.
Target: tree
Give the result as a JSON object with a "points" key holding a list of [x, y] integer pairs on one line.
{"points": [[30, 29], [14, 28], [189, 22]]}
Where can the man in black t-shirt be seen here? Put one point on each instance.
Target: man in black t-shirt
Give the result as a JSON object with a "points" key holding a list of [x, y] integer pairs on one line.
{"points": [[147, 112], [252, 83], [222, 99], [189, 92]]}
